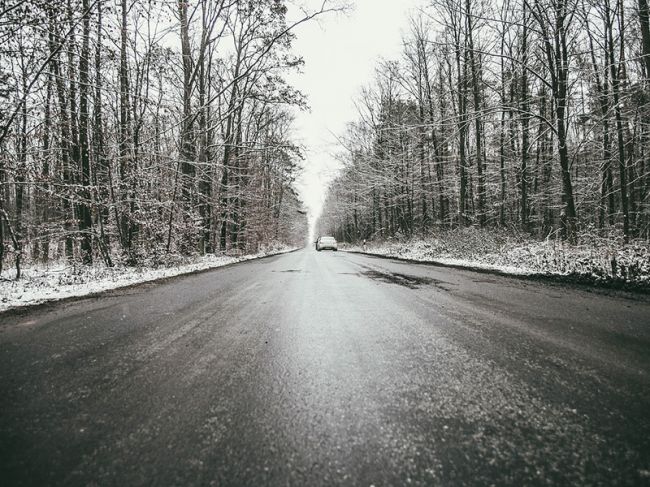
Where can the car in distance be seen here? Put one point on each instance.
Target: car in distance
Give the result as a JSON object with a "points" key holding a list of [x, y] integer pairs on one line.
{"points": [[324, 243]]}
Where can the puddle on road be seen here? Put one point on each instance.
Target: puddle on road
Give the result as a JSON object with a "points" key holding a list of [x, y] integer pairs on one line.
{"points": [[290, 270]]}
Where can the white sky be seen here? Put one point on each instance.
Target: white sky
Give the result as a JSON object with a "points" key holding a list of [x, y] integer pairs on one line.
{"points": [[340, 52]]}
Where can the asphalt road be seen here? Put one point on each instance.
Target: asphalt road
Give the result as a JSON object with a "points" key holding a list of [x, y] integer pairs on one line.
{"points": [[329, 369]]}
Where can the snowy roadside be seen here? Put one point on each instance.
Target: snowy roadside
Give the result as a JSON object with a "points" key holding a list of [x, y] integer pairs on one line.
{"points": [[623, 266], [40, 284], [445, 261]]}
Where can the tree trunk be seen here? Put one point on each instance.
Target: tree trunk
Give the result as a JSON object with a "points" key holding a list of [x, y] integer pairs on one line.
{"points": [[85, 217], [476, 93]]}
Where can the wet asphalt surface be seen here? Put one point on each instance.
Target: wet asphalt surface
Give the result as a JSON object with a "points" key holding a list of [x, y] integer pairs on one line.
{"points": [[329, 369]]}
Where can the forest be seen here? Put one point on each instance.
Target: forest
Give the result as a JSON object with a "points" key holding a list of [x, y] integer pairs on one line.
{"points": [[132, 131], [530, 117]]}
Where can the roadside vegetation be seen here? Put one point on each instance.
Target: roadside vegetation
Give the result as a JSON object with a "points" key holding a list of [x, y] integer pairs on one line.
{"points": [[143, 133], [515, 133]]}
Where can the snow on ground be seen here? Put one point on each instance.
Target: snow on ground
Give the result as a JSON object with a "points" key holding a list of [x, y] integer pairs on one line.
{"points": [[59, 280], [593, 261]]}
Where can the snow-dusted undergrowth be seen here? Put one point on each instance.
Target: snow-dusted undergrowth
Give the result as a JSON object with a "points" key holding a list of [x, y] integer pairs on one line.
{"points": [[58, 280], [593, 259]]}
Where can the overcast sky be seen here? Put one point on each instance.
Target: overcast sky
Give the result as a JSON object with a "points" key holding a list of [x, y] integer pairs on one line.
{"points": [[340, 52]]}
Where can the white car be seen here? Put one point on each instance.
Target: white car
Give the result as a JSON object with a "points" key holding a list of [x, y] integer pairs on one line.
{"points": [[326, 243]]}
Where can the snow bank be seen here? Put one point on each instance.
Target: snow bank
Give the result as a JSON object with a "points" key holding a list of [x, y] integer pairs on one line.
{"points": [[41, 283], [593, 260]]}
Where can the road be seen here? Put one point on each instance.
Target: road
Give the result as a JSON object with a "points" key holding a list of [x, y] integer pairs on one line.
{"points": [[329, 369]]}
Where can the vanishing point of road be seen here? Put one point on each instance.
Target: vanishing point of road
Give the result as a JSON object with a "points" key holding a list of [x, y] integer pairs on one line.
{"points": [[329, 369]]}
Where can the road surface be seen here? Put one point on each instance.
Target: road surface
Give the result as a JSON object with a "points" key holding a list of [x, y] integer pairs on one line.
{"points": [[329, 369]]}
